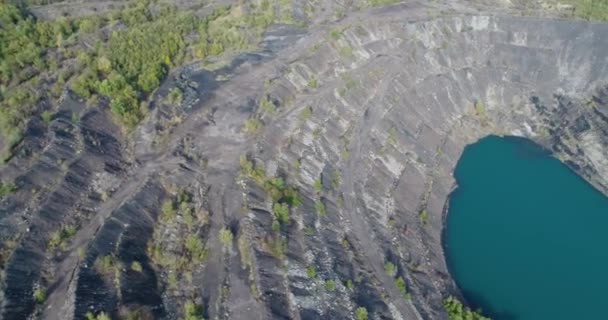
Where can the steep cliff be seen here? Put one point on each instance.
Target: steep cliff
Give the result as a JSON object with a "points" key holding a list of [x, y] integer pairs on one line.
{"points": [[301, 181]]}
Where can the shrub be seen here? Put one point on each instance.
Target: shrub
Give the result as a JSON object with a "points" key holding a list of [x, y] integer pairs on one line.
{"points": [[336, 179], [175, 96], [106, 265], [457, 311], [47, 117], [335, 34], [311, 272], [100, 316], [195, 249], [318, 186], [313, 83], [39, 295], [281, 212], [253, 125], [193, 311], [6, 189], [59, 237], [306, 113], [276, 246], [390, 269], [136, 266], [267, 106], [424, 217], [275, 188], [168, 210], [330, 285], [361, 313], [320, 207], [226, 237], [253, 171], [400, 283], [350, 284]]}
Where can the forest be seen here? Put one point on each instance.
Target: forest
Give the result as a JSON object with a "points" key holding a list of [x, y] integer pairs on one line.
{"points": [[144, 41]]}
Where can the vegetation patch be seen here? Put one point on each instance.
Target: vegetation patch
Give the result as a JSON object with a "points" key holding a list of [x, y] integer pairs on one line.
{"points": [[456, 311], [226, 237], [590, 9], [146, 40], [39, 295], [377, 3], [59, 238], [100, 316], [361, 313], [311, 272], [193, 311], [6, 189], [320, 208], [330, 285], [136, 266]]}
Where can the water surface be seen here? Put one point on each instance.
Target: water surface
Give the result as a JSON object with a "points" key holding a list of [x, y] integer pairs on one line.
{"points": [[526, 237]]}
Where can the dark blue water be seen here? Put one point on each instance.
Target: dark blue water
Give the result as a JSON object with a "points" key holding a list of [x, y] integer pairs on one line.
{"points": [[526, 237]]}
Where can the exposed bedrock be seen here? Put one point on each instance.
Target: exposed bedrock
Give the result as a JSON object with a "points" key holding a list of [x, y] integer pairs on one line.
{"points": [[368, 120], [395, 105]]}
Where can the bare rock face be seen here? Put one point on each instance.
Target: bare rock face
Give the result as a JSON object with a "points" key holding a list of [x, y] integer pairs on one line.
{"points": [[364, 120]]}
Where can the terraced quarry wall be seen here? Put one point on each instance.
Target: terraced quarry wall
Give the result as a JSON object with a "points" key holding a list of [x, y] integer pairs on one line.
{"points": [[367, 120]]}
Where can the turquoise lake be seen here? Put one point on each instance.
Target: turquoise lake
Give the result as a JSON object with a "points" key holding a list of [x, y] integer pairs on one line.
{"points": [[526, 238]]}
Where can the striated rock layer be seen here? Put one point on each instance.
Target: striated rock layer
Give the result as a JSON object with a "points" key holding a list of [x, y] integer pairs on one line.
{"points": [[368, 120]]}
